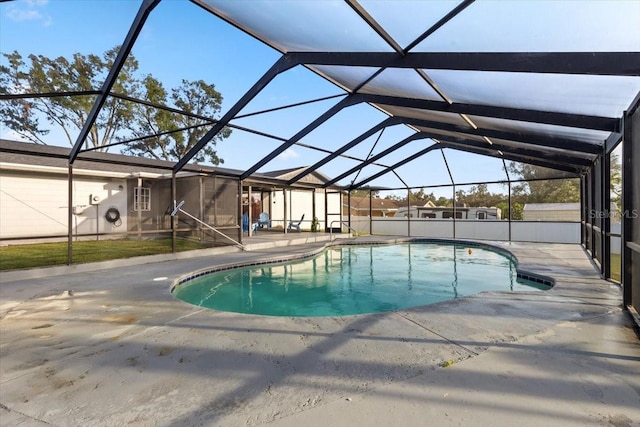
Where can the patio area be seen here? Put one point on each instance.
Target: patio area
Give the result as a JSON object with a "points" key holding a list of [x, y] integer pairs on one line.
{"points": [[107, 344]]}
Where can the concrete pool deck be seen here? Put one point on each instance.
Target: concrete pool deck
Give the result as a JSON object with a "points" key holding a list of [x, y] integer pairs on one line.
{"points": [[120, 350]]}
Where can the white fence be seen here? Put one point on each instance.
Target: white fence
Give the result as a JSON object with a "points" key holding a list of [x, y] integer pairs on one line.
{"points": [[522, 231]]}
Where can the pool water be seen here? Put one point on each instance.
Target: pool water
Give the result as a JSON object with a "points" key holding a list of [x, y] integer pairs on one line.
{"points": [[348, 280]]}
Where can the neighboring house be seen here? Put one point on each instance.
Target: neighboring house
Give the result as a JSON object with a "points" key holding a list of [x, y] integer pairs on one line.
{"points": [[379, 207], [551, 212], [559, 212], [430, 210]]}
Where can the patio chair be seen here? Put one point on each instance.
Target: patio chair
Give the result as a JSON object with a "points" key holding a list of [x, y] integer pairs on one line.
{"points": [[293, 225], [263, 220]]}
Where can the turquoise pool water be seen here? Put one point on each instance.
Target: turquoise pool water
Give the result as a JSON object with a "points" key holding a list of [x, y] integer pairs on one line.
{"points": [[348, 280]]}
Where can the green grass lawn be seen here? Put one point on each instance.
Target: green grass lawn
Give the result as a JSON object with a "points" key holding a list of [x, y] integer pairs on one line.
{"points": [[615, 267], [47, 254]]}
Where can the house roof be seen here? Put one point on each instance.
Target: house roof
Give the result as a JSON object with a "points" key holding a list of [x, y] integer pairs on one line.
{"points": [[25, 153], [286, 174], [362, 203], [38, 156]]}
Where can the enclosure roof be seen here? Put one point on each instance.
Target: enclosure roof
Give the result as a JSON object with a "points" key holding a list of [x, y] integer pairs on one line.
{"points": [[539, 82], [543, 83]]}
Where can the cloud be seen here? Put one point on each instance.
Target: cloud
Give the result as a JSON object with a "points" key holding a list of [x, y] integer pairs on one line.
{"points": [[288, 154], [29, 11]]}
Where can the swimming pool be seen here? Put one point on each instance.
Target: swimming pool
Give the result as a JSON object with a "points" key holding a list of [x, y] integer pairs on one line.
{"points": [[347, 280]]}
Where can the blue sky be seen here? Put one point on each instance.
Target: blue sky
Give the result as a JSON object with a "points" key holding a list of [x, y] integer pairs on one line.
{"points": [[182, 41]]}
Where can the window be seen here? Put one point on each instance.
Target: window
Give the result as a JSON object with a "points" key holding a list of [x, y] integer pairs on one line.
{"points": [[482, 215], [428, 215], [449, 214], [142, 199]]}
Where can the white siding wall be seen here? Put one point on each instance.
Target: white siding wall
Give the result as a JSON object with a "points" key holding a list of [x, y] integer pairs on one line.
{"points": [[37, 206], [277, 208], [301, 203]]}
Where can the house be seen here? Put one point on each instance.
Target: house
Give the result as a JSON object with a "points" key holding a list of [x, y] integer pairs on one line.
{"points": [[360, 206], [430, 210], [284, 204], [559, 212], [113, 195]]}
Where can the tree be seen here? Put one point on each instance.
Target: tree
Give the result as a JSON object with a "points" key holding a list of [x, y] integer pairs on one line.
{"points": [[444, 201], [516, 209], [196, 98], [542, 190], [616, 180], [159, 134], [416, 198], [479, 195], [82, 73]]}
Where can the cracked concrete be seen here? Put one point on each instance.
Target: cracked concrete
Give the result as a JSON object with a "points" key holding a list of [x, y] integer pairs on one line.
{"points": [[119, 349]]}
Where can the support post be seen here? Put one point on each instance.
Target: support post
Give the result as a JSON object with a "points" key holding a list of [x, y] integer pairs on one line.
{"points": [[510, 207], [70, 215], [249, 209], [409, 212], [454, 211], [285, 207], [583, 210], [139, 207], [174, 219], [313, 207], [606, 219], [239, 216], [370, 213], [628, 209]]}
